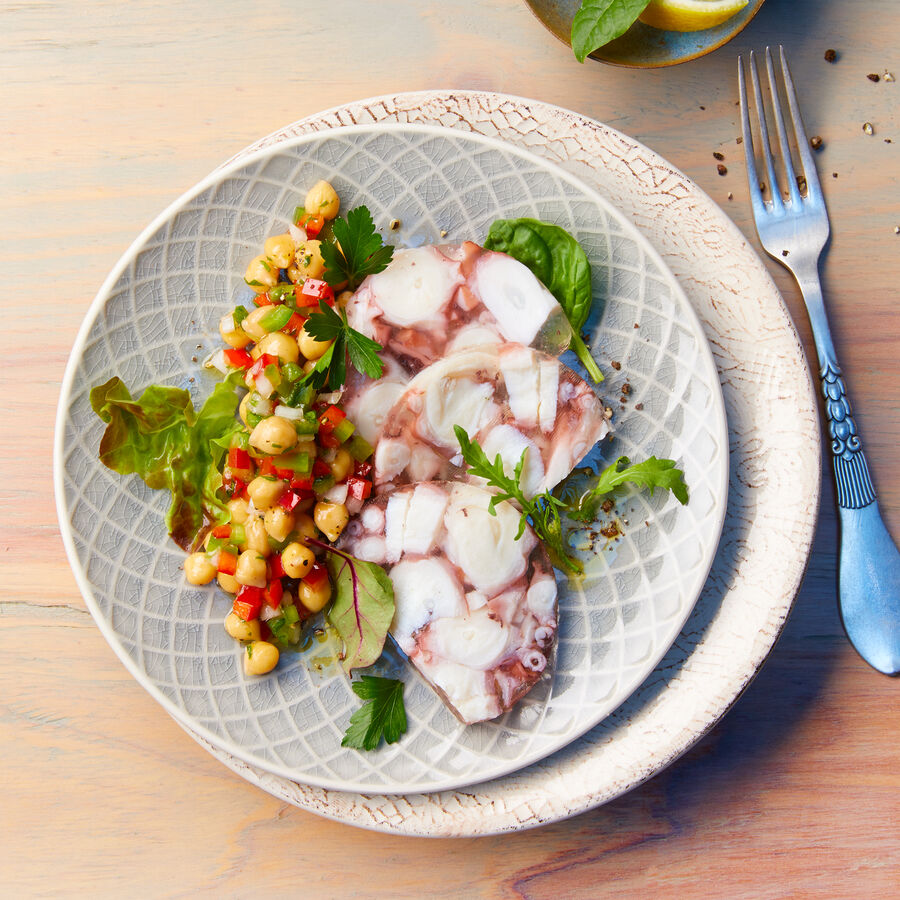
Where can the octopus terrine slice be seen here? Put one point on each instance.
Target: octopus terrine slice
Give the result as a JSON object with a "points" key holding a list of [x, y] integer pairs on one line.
{"points": [[476, 608], [435, 300], [511, 398]]}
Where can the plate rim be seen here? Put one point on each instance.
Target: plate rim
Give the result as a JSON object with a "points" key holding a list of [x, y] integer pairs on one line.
{"points": [[462, 814], [258, 155]]}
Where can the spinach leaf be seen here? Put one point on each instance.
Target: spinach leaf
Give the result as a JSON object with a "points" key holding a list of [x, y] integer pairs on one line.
{"points": [[164, 441], [559, 262], [598, 22], [363, 605]]}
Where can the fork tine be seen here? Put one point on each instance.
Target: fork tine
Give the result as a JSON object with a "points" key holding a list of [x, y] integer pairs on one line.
{"points": [[793, 188], [765, 148], [809, 166], [756, 199]]}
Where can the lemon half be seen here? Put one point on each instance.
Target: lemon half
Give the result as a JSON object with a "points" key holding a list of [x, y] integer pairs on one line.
{"points": [[690, 15]]}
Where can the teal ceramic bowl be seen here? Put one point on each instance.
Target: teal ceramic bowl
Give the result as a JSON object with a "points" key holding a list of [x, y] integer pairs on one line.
{"points": [[643, 47]]}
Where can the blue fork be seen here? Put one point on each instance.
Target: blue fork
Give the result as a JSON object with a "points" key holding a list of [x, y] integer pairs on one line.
{"points": [[794, 232]]}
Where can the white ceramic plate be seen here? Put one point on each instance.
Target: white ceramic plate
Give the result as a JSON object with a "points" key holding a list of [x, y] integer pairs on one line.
{"points": [[773, 496], [156, 316]]}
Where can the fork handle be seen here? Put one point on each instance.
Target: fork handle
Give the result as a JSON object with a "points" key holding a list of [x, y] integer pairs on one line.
{"points": [[851, 471]]}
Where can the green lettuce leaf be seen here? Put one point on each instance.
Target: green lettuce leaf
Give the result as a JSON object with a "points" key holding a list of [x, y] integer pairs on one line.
{"points": [[163, 440]]}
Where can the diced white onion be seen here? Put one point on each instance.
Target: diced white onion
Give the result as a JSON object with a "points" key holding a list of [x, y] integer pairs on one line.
{"points": [[264, 387], [289, 412], [216, 360], [267, 612], [337, 494], [297, 233], [226, 323]]}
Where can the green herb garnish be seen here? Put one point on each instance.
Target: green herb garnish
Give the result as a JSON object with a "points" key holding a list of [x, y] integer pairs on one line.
{"points": [[559, 263], [598, 22], [359, 250], [651, 473], [381, 716], [331, 368], [543, 510]]}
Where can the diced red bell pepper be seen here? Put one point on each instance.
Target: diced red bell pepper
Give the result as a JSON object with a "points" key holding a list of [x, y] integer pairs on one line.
{"points": [[362, 469], [289, 500], [267, 468], [273, 593], [238, 359], [316, 289], [276, 569], [330, 419], [320, 467], [263, 300], [295, 324], [221, 531], [312, 223], [315, 576], [233, 487], [358, 488], [227, 562], [248, 603], [302, 484], [238, 458], [328, 439], [259, 367]]}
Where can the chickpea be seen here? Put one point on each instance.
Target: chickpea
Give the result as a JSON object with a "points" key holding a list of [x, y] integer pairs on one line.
{"points": [[279, 522], [297, 559], [304, 526], [240, 510], [241, 630], [314, 598], [280, 249], [261, 274], [322, 200], [257, 537], [265, 491], [232, 334], [251, 324], [273, 435], [343, 297], [331, 518], [342, 464], [251, 569], [281, 345], [308, 260], [260, 657], [228, 583], [242, 408], [310, 347], [198, 569]]}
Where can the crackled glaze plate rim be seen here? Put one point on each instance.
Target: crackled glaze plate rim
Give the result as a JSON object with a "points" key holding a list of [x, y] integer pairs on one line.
{"points": [[625, 684], [713, 660]]}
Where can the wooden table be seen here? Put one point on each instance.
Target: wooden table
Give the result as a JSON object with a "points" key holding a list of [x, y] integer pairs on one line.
{"points": [[110, 110]]}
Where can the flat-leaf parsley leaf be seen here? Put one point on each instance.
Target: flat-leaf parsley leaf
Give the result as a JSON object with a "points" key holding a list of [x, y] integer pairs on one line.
{"points": [[359, 250], [381, 716]]}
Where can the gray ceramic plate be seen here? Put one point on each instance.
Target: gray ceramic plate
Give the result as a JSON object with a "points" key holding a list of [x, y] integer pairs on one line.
{"points": [[643, 47], [157, 315]]}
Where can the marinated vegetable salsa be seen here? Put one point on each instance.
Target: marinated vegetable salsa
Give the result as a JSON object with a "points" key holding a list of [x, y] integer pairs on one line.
{"points": [[296, 470]]}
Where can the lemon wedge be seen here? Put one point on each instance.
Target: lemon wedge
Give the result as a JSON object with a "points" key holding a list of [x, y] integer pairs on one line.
{"points": [[690, 15]]}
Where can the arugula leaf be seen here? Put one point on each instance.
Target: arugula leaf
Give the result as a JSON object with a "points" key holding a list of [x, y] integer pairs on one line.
{"points": [[163, 440], [559, 262], [331, 367], [359, 250], [381, 716], [363, 605], [543, 510], [651, 473], [598, 22]]}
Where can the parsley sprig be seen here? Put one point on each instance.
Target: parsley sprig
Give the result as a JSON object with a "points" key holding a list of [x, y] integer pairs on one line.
{"points": [[331, 368], [543, 510], [359, 250], [381, 716]]}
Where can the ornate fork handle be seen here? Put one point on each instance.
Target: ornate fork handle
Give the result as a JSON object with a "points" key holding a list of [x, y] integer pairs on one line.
{"points": [[851, 472]]}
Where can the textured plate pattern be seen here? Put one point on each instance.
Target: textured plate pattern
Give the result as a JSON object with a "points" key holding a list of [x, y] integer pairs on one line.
{"points": [[772, 501], [157, 315]]}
